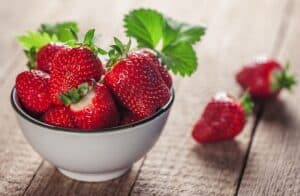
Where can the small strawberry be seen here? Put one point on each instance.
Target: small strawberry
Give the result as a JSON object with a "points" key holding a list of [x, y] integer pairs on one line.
{"points": [[73, 66], [60, 116], [128, 117], [33, 90], [265, 79], [92, 107], [135, 81], [41, 46], [45, 56], [223, 118]]}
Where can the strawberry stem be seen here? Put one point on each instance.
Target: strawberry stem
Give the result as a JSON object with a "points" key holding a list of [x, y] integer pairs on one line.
{"points": [[283, 79], [117, 52], [246, 103], [74, 95]]}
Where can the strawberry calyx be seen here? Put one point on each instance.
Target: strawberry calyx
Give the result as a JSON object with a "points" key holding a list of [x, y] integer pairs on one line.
{"points": [[88, 42], [74, 95], [117, 52], [283, 79], [246, 103]]}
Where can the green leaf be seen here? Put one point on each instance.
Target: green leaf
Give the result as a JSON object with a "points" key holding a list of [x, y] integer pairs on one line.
{"points": [[146, 26], [176, 32], [64, 31], [65, 99], [101, 51], [172, 40], [36, 40], [180, 58], [31, 56], [89, 37]]}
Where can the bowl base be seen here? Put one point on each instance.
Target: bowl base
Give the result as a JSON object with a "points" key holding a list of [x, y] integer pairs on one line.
{"points": [[93, 177]]}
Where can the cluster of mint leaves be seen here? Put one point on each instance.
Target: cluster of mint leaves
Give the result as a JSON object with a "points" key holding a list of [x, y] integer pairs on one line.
{"points": [[47, 33], [171, 40]]}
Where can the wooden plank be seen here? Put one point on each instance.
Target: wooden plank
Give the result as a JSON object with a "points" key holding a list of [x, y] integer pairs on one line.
{"points": [[178, 166], [273, 166]]}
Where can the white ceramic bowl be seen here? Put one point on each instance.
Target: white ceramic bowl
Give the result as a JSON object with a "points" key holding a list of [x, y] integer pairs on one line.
{"points": [[97, 155]]}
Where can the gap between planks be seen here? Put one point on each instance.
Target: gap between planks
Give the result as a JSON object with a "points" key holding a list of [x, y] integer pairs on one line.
{"points": [[281, 35]]}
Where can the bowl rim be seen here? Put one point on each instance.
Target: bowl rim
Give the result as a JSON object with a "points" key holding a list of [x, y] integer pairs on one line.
{"points": [[35, 121]]}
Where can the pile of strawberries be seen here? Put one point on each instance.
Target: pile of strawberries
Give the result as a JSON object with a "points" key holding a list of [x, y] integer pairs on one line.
{"points": [[71, 88]]}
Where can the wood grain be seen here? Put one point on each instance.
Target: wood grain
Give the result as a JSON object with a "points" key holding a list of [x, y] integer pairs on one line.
{"points": [[273, 166]]}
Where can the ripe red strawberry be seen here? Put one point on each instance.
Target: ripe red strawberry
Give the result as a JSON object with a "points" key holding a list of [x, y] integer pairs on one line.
{"points": [[60, 116], [128, 118], [71, 67], [265, 79], [33, 90], [45, 56], [137, 83], [74, 66], [93, 108], [162, 69], [223, 118]]}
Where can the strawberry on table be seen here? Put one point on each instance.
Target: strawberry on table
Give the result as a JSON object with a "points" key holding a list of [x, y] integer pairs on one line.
{"points": [[265, 78], [60, 116], [33, 90], [40, 47], [92, 106], [223, 118], [74, 65]]}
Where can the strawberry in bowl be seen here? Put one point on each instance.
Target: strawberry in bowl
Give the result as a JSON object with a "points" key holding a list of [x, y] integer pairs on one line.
{"points": [[92, 118]]}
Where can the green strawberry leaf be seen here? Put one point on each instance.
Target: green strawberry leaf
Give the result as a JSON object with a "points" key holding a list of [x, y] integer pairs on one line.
{"points": [[64, 31], [178, 32], [89, 37], [146, 26], [180, 58], [172, 40], [36, 40]]}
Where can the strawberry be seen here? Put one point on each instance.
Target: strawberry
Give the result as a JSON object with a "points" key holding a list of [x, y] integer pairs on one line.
{"points": [[59, 116], [45, 56], [162, 69], [92, 107], [128, 117], [73, 66], [41, 46], [135, 81], [265, 79], [33, 90], [223, 118]]}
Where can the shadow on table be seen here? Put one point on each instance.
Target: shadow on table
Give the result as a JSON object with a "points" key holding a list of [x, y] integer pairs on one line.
{"points": [[277, 112], [220, 155]]}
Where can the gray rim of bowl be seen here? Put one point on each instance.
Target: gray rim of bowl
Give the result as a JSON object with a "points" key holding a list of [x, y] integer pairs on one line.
{"points": [[33, 120]]}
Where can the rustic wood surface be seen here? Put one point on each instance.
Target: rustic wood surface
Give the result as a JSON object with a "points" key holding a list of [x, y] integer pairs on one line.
{"points": [[263, 160]]}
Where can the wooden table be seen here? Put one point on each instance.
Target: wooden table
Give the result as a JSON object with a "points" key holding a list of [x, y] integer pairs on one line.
{"points": [[263, 160]]}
